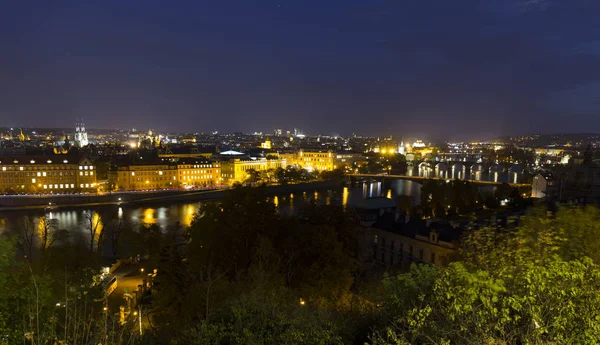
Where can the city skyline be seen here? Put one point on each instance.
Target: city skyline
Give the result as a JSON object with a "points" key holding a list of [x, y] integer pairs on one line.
{"points": [[474, 68]]}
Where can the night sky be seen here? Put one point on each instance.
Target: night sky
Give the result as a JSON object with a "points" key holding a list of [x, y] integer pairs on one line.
{"points": [[450, 69]]}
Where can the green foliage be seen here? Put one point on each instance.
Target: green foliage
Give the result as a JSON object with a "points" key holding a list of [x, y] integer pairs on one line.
{"points": [[533, 284], [553, 303]]}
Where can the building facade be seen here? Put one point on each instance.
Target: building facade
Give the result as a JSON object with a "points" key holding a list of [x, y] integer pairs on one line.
{"points": [[393, 249], [186, 173], [236, 170], [198, 173], [55, 174], [143, 177], [311, 160]]}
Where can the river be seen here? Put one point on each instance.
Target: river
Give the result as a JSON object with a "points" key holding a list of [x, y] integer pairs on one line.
{"points": [[172, 212]]}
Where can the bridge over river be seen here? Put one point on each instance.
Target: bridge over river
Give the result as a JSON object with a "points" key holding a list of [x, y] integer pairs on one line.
{"points": [[425, 178]]}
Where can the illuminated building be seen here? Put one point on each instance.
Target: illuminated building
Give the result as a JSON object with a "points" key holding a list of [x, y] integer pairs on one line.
{"points": [[310, 160], [46, 174], [81, 137], [419, 144], [401, 148], [165, 175], [23, 137], [143, 176], [346, 159], [266, 144], [199, 173], [236, 170]]}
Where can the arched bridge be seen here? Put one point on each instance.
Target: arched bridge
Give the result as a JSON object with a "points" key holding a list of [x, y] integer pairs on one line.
{"points": [[424, 178]]}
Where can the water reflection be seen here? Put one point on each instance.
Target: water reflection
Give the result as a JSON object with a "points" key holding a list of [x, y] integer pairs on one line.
{"points": [[149, 216], [169, 214]]}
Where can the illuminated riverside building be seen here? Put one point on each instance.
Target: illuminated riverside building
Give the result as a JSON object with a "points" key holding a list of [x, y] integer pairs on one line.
{"points": [[165, 175], [310, 160], [236, 170], [198, 173], [53, 174], [143, 176]]}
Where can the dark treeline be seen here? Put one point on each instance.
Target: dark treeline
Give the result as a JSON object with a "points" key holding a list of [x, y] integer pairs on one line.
{"points": [[244, 274]]}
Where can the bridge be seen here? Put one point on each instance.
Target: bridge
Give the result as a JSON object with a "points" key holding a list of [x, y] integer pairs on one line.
{"points": [[423, 178]]}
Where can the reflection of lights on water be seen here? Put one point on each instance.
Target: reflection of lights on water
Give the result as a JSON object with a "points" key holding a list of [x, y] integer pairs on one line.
{"points": [[189, 213], [276, 201], [389, 194], [162, 214], [345, 196], [328, 200], [120, 212], [291, 195], [316, 195], [495, 176], [149, 216]]}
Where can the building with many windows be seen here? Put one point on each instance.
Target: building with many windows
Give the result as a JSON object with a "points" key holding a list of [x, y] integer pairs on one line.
{"points": [[184, 173], [51, 174], [198, 173], [310, 160], [143, 176], [236, 169]]}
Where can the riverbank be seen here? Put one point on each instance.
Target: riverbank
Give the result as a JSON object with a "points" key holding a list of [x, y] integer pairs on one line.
{"points": [[18, 203]]}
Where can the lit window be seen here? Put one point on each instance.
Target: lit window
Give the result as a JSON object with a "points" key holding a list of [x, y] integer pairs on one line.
{"points": [[80, 167], [87, 185], [81, 173], [62, 186], [55, 186], [20, 168], [39, 174], [44, 173], [93, 184], [160, 172], [81, 185], [3, 168], [132, 173], [91, 173], [85, 167], [45, 186], [32, 180], [72, 185]]}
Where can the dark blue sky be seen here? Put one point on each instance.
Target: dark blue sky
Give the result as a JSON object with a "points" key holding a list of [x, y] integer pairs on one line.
{"points": [[455, 69]]}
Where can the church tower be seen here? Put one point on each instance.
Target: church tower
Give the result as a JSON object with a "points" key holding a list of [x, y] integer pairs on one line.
{"points": [[81, 138]]}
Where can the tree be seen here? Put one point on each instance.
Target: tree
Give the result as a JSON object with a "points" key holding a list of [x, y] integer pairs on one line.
{"points": [[27, 235], [253, 176], [92, 223], [49, 232], [113, 230], [531, 285]]}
